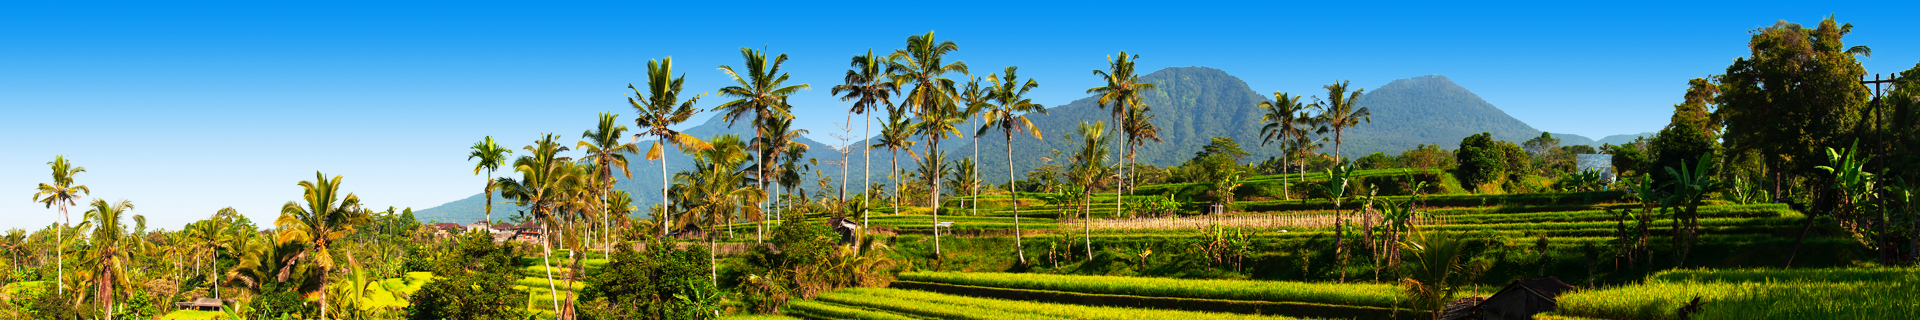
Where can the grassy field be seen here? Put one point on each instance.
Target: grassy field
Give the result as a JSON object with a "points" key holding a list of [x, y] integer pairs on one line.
{"points": [[194, 315], [876, 303], [1853, 293], [1355, 294]]}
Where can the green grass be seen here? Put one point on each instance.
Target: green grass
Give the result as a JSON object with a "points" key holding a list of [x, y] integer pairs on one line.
{"points": [[378, 296], [823, 310], [1852, 293], [757, 317], [1353, 294], [194, 315], [940, 306]]}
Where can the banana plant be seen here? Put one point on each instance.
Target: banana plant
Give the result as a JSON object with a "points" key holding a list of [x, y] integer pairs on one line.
{"points": [[1334, 189], [1689, 185], [1857, 197]]}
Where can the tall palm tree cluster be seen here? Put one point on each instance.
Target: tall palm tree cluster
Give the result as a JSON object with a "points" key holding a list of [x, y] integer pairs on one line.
{"points": [[110, 265]]}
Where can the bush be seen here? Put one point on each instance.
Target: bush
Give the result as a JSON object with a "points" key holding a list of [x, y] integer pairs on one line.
{"points": [[470, 283], [643, 285]]}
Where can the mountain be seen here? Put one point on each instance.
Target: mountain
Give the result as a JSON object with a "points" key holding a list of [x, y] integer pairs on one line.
{"points": [[1620, 139], [1191, 105], [1194, 104]]}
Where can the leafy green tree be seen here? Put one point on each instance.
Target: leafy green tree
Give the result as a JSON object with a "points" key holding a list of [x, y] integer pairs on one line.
{"points": [[1339, 181], [1338, 114], [867, 86], [1796, 92], [718, 189], [1282, 118], [660, 109], [469, 284], [645, 284], [61, 193], [1377, 160], [326, 218], [214, 234], [763, 90], [1006, 110], [108, 255], [1689, 187], [491, 157], [1690, 135]]}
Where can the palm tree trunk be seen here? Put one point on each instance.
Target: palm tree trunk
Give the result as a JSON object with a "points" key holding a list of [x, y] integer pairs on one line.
{"points": [[934, 146], [1018, 250], [713, 264], [545, 263], [866, 171], [666, 202], [324, 272], [1087, 224], [60, 249], [896, 181], [975, 188]]}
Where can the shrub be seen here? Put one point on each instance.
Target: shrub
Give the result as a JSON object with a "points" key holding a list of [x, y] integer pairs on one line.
{"points": [[469, 283]]}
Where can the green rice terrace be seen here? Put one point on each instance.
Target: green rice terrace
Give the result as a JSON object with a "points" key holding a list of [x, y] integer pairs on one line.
{"points": [[1730, 211]]}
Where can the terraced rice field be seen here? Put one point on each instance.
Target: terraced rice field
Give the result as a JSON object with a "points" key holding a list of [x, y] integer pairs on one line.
{"points": [[881, 303], [1851, 293]]}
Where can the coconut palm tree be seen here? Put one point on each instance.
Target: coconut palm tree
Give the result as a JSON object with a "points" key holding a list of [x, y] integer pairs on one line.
{"points": [[868, 88], [1338, 114], [973, 97], [897, 134], [491, 155], [762, 91], [15, 241], [660, 108], [1140, 126], [1122, 93], [1089, 170], [326, 218], [1282, 119], [922, 63], [777, 137], [107, 253], [61, 193], [215, 234], [1006, 110], [604, 149], [718, 187], [544, 176], [938, 122]]}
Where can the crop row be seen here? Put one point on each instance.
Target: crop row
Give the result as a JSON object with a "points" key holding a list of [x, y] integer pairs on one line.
{"points": [[941, 306], [1732, 211], [1377, 295], [1857, 274], [1450, 200], [1749, 300]]}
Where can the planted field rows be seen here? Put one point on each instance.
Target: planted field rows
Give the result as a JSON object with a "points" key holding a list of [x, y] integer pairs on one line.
{"points": [[879, 303], [1352, 294]]}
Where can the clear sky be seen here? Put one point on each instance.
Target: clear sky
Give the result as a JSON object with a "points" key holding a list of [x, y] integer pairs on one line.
{"points": [[185, 108]]}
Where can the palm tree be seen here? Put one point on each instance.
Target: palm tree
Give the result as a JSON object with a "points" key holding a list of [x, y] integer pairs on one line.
{"points": [[1007, 109], [216, 234], [605, 150], [719, 188], [762, 91], [14, 242], [660, 109], [897, 134], [1122, 92], [867, 86], [1090, 169], [777, 137], [1280, 118], [61, 193], [326, 218], [1338, 114], [1140, 126], [922, 63], [544, 175], [938, 122], [491, 156], [107, 252], [973, 97]]}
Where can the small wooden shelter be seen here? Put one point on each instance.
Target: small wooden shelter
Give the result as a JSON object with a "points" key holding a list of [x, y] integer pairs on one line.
{"points": [[201, 304], [1520, 299]]}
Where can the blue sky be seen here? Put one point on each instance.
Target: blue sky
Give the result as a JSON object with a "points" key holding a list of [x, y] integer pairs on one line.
{"points": [[187, 108]]}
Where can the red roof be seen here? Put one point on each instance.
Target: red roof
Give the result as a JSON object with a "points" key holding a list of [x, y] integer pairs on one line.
{"points": [[448, 226]]}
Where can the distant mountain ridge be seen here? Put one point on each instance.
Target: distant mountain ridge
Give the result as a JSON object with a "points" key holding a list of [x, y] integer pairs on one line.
{"points": [[1191, 106]]}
